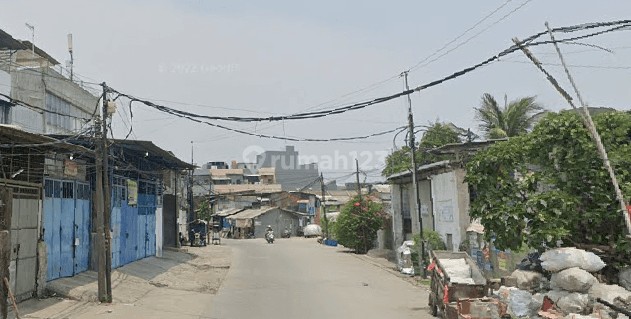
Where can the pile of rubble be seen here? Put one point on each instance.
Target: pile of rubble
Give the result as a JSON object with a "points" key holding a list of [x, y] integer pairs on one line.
{"points": [[560, 283]]}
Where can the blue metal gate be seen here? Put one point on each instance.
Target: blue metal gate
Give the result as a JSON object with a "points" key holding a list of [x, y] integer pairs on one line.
{"points": [[66, 225], [133, 227]]}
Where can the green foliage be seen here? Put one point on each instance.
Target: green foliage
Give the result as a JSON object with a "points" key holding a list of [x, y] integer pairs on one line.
{"points": [[515, 118], [565, 194], [432, 238], [356, 226], [437, 135], [204, 211]]}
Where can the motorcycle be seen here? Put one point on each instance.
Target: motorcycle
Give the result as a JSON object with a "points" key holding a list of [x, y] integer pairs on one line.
{"points": [[286, 233], [269, 236], [249, 235]]}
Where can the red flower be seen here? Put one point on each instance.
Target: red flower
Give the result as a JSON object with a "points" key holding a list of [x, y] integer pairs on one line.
{"points": [[356, 204]]}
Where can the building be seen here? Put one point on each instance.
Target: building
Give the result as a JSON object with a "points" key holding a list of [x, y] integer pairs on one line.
{"points": [[292, 171], [26, 166], [444, 197], [35, 79], [256, 221]]}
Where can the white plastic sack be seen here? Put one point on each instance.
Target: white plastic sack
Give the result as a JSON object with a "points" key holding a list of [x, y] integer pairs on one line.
{"points": [[573, 303], [527, 280], [312, 230], [559, 259], [456, 268], [519, 303], [404, 258], [536, 304], [573, 280], [625, 278], [555, 295], [608, 293]]}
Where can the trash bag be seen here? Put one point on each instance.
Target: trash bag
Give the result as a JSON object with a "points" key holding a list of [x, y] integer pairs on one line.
{"points": [[573, 303], [537, 303], [404, 258], [312, 230], [555, 295], [532, 262], [609, 293], [559, 259], [573, 280], [527, 280], [519, 303]]}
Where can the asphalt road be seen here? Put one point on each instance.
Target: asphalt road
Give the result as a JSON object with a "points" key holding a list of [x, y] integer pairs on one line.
{"points": [[298, 278]]}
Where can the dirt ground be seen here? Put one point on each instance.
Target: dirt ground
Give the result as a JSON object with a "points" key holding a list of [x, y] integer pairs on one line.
{"points": [[204, 272]]}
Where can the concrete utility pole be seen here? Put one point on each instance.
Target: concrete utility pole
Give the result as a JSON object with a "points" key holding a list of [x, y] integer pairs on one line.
{"points": [[415, 174], [100, 236], [587, 120], [107, 195], [323, 207]]}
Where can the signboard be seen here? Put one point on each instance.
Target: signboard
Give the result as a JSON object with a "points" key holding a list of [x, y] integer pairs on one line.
{"points": [[70, 168], [446, 211], [311, 210], [132, 193], [257, 223]]}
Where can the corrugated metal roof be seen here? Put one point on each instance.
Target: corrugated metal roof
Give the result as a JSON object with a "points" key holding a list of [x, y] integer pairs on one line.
{"points": [[252, 213], [228, 212], [421, 169]]}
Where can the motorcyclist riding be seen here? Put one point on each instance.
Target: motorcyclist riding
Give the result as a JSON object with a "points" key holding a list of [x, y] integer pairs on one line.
{"points": [[269, 234]]}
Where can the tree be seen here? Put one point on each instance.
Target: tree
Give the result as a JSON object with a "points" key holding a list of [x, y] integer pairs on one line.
{"points": [[436, 135], [516, 117], [551, 185], [357, 225], [205, 210]]}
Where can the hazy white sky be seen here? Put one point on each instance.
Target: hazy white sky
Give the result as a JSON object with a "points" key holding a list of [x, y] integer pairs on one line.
{"points": [[260, 58]]}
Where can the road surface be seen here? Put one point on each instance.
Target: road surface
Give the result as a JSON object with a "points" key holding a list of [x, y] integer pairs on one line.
{"points": [[298, 278]]}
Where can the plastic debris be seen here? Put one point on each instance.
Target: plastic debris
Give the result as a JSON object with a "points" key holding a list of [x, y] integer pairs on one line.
{"points": [[573, 303], [573, 280], [563, 258], [527, 280]]}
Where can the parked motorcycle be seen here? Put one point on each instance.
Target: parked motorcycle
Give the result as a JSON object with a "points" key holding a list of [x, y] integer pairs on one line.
{"points": [[269, 236], [249, 235], [286, 233]]}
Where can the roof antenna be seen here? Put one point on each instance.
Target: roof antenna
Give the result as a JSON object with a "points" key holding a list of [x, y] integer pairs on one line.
{"points": [[69, 64], [32, 41]]}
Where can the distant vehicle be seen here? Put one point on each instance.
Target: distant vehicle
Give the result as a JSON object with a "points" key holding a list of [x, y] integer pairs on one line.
{"points": [[198, 233], [286, 233]]}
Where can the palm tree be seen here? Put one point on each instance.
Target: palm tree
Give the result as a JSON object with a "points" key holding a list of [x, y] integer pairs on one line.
{"points": [[514, 118]]}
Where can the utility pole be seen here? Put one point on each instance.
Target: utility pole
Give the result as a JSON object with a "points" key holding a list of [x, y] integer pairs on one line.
{"points": [[323, 207], [100, 236], [107, 216], [415, 174], [190, 190], [359, 194]]}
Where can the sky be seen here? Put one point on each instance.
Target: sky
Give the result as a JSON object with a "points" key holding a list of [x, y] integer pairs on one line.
{"points": [[255, 58]]}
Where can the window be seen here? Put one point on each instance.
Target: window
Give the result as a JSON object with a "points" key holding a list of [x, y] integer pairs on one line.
{"points": [[5, 112]]}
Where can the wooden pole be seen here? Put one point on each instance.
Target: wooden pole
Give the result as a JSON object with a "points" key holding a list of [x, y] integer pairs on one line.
{"points": [[100, 236], [107, 195], [5, 257], [595, 136], [15, 306]]}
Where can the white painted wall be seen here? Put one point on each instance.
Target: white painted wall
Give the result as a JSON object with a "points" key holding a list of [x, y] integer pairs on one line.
{"points": [[446, 209], [159, 236]]}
